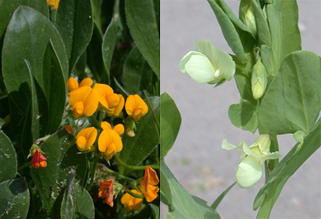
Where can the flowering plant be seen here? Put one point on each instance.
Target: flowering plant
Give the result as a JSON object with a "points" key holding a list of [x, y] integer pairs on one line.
{"points": [[279, 94], [79, 109]]}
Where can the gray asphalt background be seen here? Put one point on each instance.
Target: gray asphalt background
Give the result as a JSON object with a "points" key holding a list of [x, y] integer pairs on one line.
{"points": [[197, 160]]}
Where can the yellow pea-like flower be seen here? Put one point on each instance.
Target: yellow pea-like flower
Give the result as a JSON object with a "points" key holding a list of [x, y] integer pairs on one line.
{"points": [[119, 128], [53, 3], [72, 84], [84, 101], [110, 102], [135, 107], [109, 142], [86, 138], [131, 202], [148, 186]]}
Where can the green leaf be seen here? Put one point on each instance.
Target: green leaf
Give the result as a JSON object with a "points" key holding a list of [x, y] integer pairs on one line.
{"points": [[143, 28], [293, 99], [183, 204], [244, 116], [170, 123], [229, 31], [7, 7], [62, 157], [74, 22], [8, 158], [76, 203], [289, 18], [109, 43], [268, 195], [137, 148], [1, 123], [263, 32], [36, 31], [14, 199], [155, 211], [220, 198], [133, 71]]}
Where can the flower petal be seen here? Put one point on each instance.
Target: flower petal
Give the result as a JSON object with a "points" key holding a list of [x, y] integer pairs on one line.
{"points": [[197, 66], [248, 172]]}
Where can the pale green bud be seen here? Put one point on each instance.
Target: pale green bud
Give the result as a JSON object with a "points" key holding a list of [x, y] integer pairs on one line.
{"points": [[259, 80], [249, 19], [208, 64]]}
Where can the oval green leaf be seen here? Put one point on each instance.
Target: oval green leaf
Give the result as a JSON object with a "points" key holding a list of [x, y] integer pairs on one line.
{"points": [[8, 158]]}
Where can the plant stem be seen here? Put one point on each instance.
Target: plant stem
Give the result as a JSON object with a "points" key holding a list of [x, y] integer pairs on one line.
{"points": [[134, 194], [27, 164], [92, 173], [133, 167], [119, 175], [96, 123]]}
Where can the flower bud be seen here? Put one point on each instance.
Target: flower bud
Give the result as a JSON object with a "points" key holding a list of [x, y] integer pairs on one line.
{"points": [[249, 19], [259, 80]]}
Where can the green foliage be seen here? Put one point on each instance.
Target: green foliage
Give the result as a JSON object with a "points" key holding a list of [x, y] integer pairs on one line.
{"points": [[181, 204], [143, 28], [14, 200], [8, 158], [170, 123], [42, 47]]}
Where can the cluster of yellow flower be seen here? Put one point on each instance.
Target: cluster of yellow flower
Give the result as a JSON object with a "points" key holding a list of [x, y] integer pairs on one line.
{"points": [[53, 3], [147, 188]]}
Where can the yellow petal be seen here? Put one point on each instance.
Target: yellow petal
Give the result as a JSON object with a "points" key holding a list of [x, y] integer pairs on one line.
{"points": [[56, 4], [81, 143], [105, 125], [119, 129], [79, 95], [72, 84], [86, 82], [112, 100], [90, 134], [90, 104], [103, 141], [130, 104]]}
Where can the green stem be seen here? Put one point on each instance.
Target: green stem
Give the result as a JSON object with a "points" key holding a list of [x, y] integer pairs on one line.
{"points": [[119, 175], [133, 167], [96, 123], [157, 154], [27, 164], [92, 173], [134, 194]]}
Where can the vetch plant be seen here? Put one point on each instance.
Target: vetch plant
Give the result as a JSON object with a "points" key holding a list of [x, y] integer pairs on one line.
{"points": [[63, 90], [280, 93]]}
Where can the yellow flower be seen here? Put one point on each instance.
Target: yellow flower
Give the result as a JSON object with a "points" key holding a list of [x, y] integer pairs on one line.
{"points": [[116, 111], [135, 107], [117, 128], [148, 186], [72, 84], [84, 101], [131, 202], [109, 141], [86, 138], [53, 3], [111, 102], [106, 191]]}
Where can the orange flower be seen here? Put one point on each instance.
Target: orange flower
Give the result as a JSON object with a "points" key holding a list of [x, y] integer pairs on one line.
{"points": [[131, 202], [86, 138], [38, 160], [84, 101], [68, 129], [148, 186], [135, 107], [106, 190]]}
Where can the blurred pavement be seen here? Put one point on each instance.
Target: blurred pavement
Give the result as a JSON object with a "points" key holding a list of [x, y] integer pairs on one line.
{"points": [[197, 159]]}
